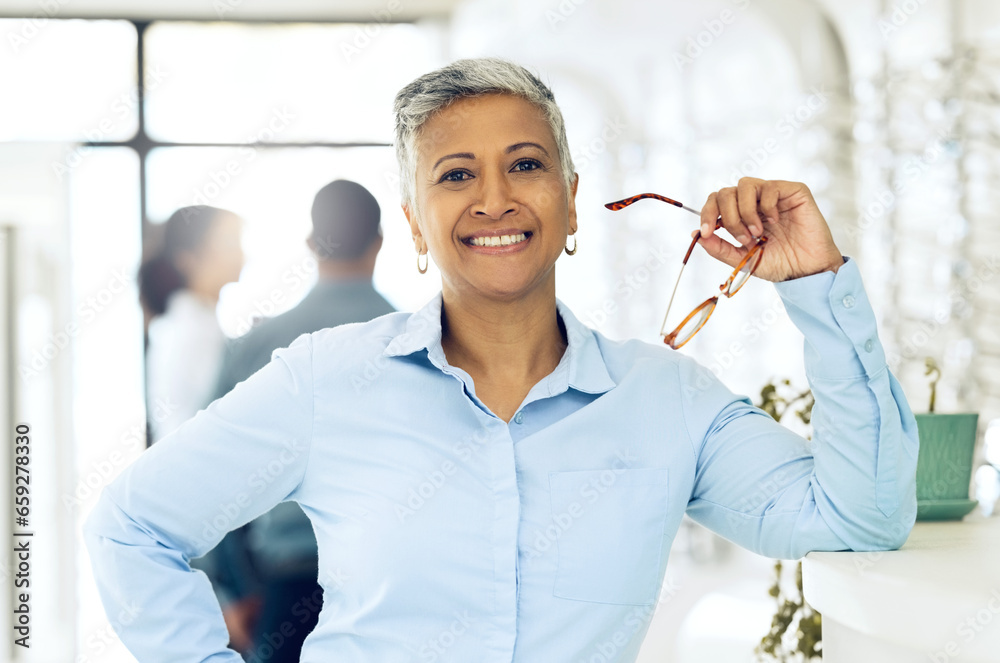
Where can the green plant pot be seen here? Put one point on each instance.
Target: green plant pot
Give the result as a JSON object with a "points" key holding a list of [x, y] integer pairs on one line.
{"points": [[944, 465]]}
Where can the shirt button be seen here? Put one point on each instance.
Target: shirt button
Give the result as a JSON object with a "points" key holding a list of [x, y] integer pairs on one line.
{"points": [[518, 418], [869, 345], [848, 301]]}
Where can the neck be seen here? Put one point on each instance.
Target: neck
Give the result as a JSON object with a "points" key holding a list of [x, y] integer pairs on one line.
{"points": [[503, 341], [351, 269], [208, 295]]}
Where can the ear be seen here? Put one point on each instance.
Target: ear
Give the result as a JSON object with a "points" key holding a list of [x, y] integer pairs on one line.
{"points": [[411, 218], [572, 203]]}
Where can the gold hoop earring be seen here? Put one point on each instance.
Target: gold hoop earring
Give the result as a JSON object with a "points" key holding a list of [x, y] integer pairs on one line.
{"points": [[568, 252], [422, 270]]}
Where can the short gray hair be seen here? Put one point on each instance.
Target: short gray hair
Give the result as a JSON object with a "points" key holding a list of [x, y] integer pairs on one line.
{"points": [[432, 92]]}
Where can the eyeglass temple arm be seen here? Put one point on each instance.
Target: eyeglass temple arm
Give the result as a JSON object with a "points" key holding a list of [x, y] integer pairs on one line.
{"points": [[625, 202]]}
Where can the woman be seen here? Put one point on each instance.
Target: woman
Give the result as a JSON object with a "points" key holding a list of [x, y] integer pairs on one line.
{"points": [[179, 287], [490, 480]]}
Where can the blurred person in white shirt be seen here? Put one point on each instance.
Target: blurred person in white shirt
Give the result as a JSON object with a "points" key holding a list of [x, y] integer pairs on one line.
{"points": [[179, 288]]}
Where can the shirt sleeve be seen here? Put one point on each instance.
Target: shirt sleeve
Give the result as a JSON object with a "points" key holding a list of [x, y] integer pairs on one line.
{"points": [[852, 486], [231, 462]]}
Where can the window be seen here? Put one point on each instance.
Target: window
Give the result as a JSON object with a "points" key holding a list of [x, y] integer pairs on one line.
{"points": [[218, 82], [89, 90]]}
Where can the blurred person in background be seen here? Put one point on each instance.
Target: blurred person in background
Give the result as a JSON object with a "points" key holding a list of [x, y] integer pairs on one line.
{"points": [[262, 571], [179, 288]]}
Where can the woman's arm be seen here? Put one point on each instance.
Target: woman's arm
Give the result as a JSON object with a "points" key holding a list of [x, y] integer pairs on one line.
{"points": [[230, 463], [853, 485]]}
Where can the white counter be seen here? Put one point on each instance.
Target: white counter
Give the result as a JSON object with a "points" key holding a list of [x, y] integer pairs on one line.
{"points": [[935, 599]]}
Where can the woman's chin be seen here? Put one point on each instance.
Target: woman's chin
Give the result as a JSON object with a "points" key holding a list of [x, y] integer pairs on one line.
{"points": [[502, 290]]}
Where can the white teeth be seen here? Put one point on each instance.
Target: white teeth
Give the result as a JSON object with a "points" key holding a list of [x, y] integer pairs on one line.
{"points": [[501, 240]]}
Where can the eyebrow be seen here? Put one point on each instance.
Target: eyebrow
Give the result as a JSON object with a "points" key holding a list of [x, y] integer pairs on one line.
{"points": [[470, 155], [518, 146], [457, 155]]}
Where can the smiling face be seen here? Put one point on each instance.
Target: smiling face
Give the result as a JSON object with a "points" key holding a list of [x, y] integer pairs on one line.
{"points": [[492, 207]]}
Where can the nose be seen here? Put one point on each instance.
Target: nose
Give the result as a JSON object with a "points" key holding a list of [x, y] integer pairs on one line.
{"points": [[495, 197]]}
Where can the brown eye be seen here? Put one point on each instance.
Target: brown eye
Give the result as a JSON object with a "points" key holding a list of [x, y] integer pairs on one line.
{"points": [[456, 176], [526, 165]]}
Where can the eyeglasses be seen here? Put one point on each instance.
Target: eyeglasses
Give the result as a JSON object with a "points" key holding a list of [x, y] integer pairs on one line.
{"points": [[697, 318]]}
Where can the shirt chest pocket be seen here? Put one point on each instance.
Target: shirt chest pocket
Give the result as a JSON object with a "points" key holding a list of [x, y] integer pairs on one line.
{"points": [[612, 525]]}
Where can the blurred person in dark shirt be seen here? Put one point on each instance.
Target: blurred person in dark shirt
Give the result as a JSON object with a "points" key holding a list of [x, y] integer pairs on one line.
{"points": [[265, 573]]}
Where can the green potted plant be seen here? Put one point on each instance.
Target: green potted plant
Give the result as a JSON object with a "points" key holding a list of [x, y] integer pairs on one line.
{"points": [[944, 463]]}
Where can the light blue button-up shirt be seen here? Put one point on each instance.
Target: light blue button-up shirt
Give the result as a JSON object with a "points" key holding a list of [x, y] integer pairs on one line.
{"points": [[448, 534]]}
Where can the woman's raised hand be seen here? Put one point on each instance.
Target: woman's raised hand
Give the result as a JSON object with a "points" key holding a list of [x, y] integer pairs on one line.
{"points": [[799, 242]]}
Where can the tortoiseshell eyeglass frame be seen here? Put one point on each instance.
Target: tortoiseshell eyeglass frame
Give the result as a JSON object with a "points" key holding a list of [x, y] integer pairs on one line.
{"points": [[752, 258]]}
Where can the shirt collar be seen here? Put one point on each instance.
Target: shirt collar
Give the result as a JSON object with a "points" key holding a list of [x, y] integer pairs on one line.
{"points": [[582, 365]]}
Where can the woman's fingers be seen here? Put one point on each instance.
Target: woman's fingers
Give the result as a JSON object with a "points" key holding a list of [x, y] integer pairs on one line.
{"points": [[720, 249], [730, 212], [747, 196], [729, 208], [709, 214], [770, 193], [743, 209]]}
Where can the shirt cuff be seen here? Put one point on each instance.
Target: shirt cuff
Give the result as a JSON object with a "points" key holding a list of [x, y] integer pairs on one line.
{"points": [[833, 312]]}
